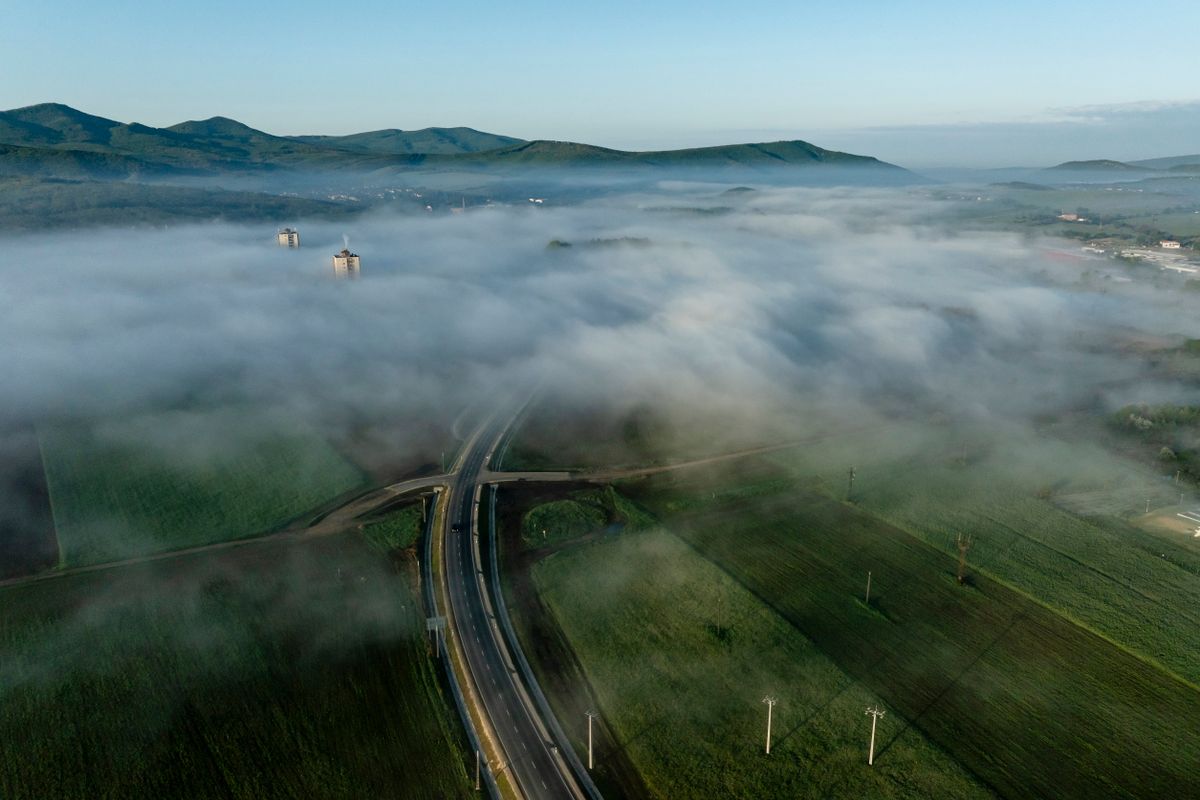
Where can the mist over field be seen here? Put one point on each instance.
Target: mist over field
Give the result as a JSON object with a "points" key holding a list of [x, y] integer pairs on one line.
{"points": [[718, 318], [774, 302], [174, 388]]}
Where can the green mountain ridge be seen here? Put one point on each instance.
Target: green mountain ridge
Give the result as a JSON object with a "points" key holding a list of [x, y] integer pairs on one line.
{"points": [[61, 167], [545, 153], [220, 145], [1098, 165], [18, 161], [428, 141]]}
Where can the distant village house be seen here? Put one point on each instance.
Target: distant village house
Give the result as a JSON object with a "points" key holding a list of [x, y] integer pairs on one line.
{"points": [[1169, 244]]}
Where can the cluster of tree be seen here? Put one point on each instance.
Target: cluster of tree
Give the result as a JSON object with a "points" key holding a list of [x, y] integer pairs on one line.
{"points": [[1146, 418], [1170, 431], [38, 204]]}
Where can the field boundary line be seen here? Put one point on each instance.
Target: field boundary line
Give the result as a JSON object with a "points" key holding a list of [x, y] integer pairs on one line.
{"points": [[1148, 660]]}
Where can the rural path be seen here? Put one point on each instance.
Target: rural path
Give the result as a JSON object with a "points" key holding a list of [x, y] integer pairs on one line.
{"points": [[343, 517], [607, 476], [335, 521]]}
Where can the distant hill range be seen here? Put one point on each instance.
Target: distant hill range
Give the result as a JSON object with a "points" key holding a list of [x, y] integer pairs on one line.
{"points": [[428, 141], [60, 167], [59, 141], [1173, 165]]}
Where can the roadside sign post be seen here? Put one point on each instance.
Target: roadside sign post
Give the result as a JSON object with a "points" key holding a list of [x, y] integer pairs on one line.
{"points": [[436, 625]]}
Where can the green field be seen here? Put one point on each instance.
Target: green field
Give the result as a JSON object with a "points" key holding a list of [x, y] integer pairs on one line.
{"points": [[560, 520], [395, 530], [680, 656], [1185, 225], [283, 670], [1041, 518], [581, 513], [1029, 702], [161, 482]]}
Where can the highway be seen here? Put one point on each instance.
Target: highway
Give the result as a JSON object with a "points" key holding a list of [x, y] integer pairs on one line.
{"points": [[530, 758], [511, 722]]}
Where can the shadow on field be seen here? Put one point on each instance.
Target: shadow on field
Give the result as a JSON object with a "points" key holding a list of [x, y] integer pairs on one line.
{"points": [[908, 723]]}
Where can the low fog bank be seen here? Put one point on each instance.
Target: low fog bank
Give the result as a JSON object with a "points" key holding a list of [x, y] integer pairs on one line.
{"points": [[705, 318], [755, 305]]}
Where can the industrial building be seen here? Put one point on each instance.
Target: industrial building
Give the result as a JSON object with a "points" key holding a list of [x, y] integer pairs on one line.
{"points": [[345, 264], [288, 237]]}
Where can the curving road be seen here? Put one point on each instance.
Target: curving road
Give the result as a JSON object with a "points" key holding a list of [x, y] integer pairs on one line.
{"points": [[530, 758]]}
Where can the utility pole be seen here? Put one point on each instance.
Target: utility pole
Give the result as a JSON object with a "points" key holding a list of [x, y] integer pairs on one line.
{"points": [[436, 625], [443, 462], [875, 713], [964, 544], [868, 599], [718, 614], [591, 715], [477, 759], [850, 488], [770, 701]]}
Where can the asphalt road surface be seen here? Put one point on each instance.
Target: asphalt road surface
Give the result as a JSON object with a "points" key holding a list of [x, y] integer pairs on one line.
{"points": [[530, 757]]}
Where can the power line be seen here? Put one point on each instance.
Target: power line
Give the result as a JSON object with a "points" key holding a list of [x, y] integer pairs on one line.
{"points": [[964, 544]]}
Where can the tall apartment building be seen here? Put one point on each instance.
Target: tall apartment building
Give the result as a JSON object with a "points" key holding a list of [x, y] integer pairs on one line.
{"points": [[288, 237], [345, 264]]}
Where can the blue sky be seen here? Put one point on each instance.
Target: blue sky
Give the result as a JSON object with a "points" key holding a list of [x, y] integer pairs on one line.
{"points": [[625, 74]]}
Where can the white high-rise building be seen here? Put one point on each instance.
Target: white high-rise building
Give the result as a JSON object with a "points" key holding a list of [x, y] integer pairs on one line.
{"points": [[345, 265], [288, 237]]}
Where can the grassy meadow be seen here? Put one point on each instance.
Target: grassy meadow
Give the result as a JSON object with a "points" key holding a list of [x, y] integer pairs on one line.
{"points": [[679, 656], [281, 670], [397, 529], [1030, 703], [121, 489], [580, 513], [1046, 518]]}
